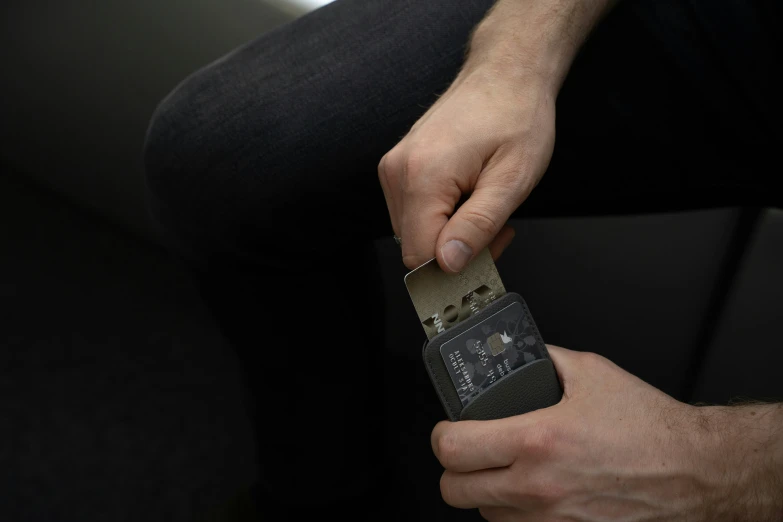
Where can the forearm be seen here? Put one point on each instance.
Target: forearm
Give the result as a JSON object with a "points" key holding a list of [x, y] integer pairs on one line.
{"points": [[746, 446], [538, 38]]}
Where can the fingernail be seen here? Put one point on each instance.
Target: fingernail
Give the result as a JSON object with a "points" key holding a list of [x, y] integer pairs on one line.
{"points": [[456, 254]]}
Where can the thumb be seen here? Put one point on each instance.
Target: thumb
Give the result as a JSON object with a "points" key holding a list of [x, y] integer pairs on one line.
{"points": [[565, 361], [473, 226], [576, 370]]}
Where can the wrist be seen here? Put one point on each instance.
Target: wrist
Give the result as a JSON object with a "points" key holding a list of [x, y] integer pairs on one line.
{"points": [[533, 39], [741, 456]]}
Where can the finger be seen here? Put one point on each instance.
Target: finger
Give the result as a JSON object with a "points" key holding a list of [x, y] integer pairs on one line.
{"points": [[420, 223], [391, 191], [475, 445], [562, 358], [474, 225], [501, 241], [569, 365], [429, 196], [485, 488], [580, 372]]}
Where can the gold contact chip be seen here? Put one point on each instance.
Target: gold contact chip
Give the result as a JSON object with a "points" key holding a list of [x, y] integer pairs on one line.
{"points": [[496, 344]]}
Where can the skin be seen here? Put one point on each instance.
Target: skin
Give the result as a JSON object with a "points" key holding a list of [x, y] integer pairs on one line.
{"points": [[615, 449], [490, 136]]}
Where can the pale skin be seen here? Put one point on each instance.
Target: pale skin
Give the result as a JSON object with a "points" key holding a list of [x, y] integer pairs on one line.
{"points": [[490, 135], [615, 448]]}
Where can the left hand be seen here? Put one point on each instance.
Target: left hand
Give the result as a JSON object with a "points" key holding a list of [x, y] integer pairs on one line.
{"points": [[614, 449]]}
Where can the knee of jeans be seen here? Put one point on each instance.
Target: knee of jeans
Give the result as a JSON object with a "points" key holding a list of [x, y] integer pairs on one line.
{"points": [[205, 183]]}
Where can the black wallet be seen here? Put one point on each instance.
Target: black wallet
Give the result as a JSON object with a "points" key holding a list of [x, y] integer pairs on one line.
{"points": [[498, 389]]}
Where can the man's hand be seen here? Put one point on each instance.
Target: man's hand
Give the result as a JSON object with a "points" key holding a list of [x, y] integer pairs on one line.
{"points": [[490, 136], [616, 449], [484, 137]]}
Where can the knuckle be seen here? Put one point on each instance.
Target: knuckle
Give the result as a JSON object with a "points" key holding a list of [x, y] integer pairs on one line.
{"points": [[382, 166], [409, 188], [592, 360], [415, 161], [413, 181], [447, 490], [510, 175], [483, 221], [414, 260], [388, 168], [542, 440], [447, 450]]}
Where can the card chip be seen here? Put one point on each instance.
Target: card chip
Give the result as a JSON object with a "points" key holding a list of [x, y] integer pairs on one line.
{"points": [[490, 350], [496, 344]]}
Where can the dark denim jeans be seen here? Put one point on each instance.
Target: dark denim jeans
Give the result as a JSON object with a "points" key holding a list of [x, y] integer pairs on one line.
{"points": [[262, 173]]}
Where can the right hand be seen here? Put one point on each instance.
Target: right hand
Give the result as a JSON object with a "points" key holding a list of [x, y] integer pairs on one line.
{"points": [[488, 137]]}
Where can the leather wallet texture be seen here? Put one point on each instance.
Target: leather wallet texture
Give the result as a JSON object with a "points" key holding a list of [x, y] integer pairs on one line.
{"points": [[527, 388]]}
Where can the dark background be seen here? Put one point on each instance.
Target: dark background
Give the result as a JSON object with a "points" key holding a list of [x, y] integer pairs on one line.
{"points": [[120, 399]]}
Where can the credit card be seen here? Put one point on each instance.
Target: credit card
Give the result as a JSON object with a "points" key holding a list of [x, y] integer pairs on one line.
{"points": [[443, 300], [489, 351]]}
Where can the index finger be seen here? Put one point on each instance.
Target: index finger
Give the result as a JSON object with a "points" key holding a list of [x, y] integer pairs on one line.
{"points": [[466, 446], [430, 193], [422, 219]]}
